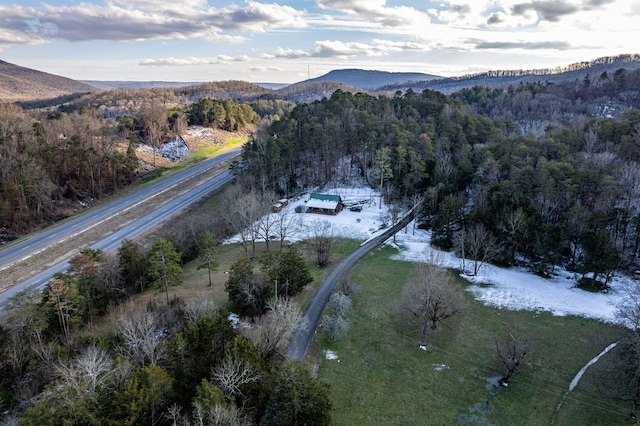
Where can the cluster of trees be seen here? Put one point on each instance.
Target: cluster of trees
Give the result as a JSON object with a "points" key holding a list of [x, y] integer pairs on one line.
{"points": [[334, 318], [224, 114], [163, 363], [562, 197], [87, 150], [563, 102], [283, 273], [47, 159]]}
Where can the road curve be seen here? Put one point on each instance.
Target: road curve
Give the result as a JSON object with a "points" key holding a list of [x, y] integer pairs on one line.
{"points": [[300, 341], [56, 234]]}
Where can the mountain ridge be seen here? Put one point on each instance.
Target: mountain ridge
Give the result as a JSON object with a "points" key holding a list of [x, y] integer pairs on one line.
{"points": [[24, 84], [370, 79]]}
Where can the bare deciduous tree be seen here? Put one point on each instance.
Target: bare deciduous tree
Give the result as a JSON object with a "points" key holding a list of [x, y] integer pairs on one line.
{"points": [[335, 326], [628, 313], [476, 243], [286, 223], [429, 297], [348, 287], [141, 335], [218, 415], [233, 373], [175, 415], [153, 118], [333, 322], [322, 240], [513, 224], [242, 211], [272, 332], [90, 370], [195, 309], [266, 225], [395, 215], [512, 351]]}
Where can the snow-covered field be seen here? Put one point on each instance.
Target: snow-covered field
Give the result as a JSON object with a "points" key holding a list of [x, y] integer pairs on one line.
{"points": [[508, 288]]}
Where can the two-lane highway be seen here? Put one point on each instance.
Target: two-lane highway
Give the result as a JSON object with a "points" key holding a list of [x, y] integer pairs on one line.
{"points": [[59, 234]]}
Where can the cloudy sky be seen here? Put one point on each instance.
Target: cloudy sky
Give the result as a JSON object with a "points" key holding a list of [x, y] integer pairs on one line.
{"points": [[286, 41]]}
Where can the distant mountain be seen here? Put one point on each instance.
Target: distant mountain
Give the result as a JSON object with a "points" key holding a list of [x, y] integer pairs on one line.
{"points": [[24, 84], [111, 85], [502, 79], [369, 79], [310, 91]]}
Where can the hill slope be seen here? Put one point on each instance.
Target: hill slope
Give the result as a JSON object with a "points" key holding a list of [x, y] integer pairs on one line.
{"points": [[23, 84], [368, 79], [501, 79]]}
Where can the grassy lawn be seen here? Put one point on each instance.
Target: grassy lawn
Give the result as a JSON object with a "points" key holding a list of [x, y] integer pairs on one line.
{"points": [[213, 150], [383, 378], [196, 281]]}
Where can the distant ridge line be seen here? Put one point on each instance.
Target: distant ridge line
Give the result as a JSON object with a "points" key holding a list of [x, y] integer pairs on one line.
{"points": [[577, 66]]}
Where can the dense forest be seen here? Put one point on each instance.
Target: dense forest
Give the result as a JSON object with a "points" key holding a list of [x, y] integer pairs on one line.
{"points": [[564, 195], [538, 175], [56, 160], [62, 362]]}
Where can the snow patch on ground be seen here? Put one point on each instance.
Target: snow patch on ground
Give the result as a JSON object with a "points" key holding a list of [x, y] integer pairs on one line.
{"points": [[234, 319], [506, 288], [331, 355], [440, 367]]}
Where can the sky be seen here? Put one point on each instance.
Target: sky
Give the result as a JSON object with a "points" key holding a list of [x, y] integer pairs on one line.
{"points": [[285, 41]]}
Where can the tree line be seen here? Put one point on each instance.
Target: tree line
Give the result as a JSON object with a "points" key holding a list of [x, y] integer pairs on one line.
{"points": [[47, 161], [51, 161], [167, 362], [564, 197]]}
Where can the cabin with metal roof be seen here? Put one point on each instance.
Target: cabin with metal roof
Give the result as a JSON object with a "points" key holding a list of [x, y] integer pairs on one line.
{"points": [[324, 204]]}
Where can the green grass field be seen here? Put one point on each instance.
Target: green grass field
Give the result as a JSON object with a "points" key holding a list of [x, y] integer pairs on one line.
{"points": [[213, 150], [383, 378]]}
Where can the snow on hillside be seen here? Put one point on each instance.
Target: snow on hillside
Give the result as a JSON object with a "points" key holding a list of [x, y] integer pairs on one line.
{"points": [[506, 288]]}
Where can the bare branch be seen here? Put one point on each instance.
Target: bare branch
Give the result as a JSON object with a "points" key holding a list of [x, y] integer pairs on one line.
{"points": [[233, 373]]}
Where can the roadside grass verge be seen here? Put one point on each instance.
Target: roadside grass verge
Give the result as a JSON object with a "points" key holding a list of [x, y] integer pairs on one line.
{"points": [[383, 378], [213, 150]]}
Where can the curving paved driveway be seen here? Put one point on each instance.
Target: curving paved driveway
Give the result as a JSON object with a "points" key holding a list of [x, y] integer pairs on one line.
{"points": [[300, 341]]}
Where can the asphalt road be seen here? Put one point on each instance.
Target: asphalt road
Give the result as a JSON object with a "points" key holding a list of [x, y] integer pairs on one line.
{"points": [[23, 249], [300, 341]]}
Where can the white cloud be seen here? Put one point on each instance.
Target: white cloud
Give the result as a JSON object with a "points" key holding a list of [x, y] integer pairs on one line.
{"points": [[216, 37], [15, 28], [146, 19], [227, 58], [376, 11], [175, 62], [341, 49]]}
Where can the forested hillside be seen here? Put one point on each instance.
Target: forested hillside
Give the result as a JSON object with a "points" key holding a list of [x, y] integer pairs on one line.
{"points": [[20, 84], [537, 175], [54, 162], [567, 194]]}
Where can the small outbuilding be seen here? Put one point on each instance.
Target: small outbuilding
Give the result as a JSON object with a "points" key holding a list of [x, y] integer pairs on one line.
{"points": [[279, 205], [324, 204]]}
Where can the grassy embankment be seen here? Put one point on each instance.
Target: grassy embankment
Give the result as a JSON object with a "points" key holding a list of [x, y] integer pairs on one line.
{"points": [[383, 378], [203, 151]]}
